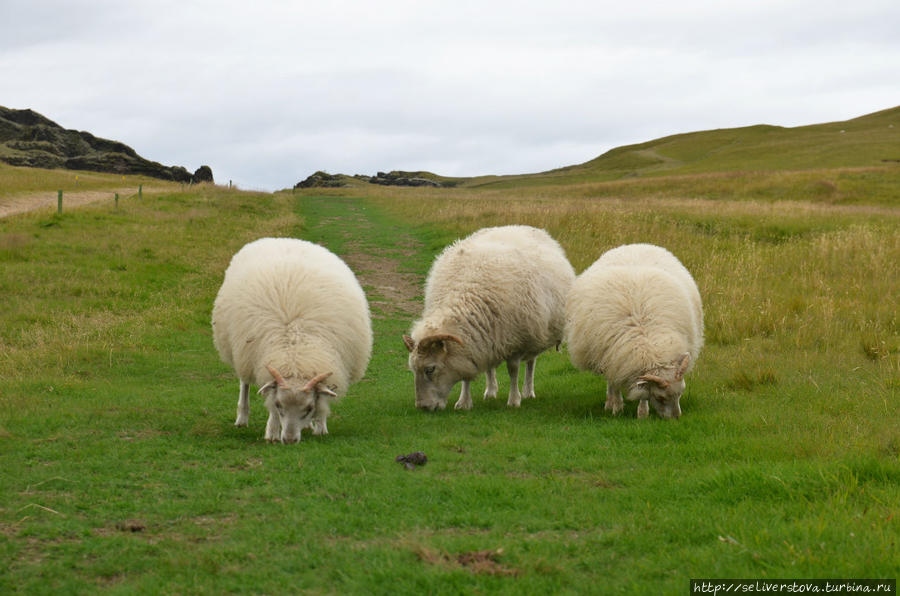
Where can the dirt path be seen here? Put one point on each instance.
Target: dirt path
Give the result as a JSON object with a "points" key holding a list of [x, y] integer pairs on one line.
{"points": [[48, 200], [392, 292]]}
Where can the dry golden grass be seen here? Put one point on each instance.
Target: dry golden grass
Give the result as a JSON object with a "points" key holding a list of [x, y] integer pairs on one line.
{"points": [[787, 285], [106, 274], [16, 181]]}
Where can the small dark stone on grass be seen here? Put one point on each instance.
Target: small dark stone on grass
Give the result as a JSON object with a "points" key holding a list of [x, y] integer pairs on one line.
{"points": [[411, 460]]}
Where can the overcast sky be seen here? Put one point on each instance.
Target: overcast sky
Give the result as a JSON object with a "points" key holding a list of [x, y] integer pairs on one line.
{"points": [[267, 92]]}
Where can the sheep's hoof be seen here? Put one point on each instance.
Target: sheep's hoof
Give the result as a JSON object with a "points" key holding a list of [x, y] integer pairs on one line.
{"points": [[614, 405], [463, 405]]}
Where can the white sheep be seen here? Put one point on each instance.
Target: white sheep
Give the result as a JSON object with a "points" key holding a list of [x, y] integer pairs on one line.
{"points": [[497, 295], [636, 317], [289, 315]]}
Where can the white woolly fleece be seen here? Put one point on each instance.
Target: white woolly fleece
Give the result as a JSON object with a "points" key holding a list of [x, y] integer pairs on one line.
{"points": [[635, 310], [501, 290], [295, 306]]}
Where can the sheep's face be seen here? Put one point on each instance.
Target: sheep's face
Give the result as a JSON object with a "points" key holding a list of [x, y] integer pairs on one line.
{"points": [[293, 409], [663, 390], [437, 367], [665, 399], [294, 405]]}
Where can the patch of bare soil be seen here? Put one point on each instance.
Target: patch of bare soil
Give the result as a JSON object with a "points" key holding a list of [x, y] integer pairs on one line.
{"points": [[48, 200], [391, 291], [486, 562]]}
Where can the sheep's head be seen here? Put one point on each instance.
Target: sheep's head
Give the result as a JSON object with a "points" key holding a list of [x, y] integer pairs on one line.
{"points": [[294, 404], [437, 363], [663, 390]]}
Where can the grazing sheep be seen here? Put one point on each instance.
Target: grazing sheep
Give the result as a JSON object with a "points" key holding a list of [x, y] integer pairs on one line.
{"points": [[497, 295], [636, 317], [289, 316]]}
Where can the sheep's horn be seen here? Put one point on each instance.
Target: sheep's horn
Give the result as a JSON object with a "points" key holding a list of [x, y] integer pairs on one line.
{"points": [[409, 343], [277, 376], [315, 381], [427, 342], [654, 379], [682, 366]]}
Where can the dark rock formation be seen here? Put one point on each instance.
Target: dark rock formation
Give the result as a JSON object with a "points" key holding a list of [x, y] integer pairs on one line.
{"points": [[203, 174], [30, 139], [399, 178], [322, 180], [394, 178]]}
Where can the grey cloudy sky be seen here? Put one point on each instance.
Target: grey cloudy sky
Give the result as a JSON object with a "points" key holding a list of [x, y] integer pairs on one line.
{"points": [[266, 92]]}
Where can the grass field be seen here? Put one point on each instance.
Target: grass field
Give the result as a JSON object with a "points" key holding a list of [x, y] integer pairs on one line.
{"points": [[18, 181], [121, 470]]}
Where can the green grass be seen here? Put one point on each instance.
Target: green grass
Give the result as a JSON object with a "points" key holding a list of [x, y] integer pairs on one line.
{"points": [[121, 470], [825, 162]]}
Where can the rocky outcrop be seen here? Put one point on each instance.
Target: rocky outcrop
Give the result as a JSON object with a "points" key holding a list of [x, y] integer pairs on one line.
{"points": [[394, 178], [203, 174], [32, 140], [322, 179], [400, 178]]}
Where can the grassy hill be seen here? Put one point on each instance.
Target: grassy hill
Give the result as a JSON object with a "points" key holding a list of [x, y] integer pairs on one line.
{"points": [[868, 141], [121, 471]]}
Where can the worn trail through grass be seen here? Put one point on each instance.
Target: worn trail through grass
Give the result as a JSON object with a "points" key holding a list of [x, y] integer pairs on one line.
{"points": [[391, 290]]}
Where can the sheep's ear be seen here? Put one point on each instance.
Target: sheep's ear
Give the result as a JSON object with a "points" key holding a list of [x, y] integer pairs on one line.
{"points": [[409, 343], [271, 385], [324, 390], [682, 366]]}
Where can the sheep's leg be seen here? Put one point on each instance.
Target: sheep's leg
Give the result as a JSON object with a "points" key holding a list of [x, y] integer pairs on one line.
{"points": [[614, 400], [243, 407], [490, 384], [515, 398], [643, 409], [465, 397], [319, 427], [273, 427], [528, 386]]}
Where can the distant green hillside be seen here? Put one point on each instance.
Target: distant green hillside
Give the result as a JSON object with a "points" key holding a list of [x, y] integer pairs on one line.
{"points": [[870, 140]]}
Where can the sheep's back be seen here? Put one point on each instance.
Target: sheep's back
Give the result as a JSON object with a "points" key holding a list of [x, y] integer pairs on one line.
{"points": [[276, 288], [511, 282], [650, 255], [625, 320]]}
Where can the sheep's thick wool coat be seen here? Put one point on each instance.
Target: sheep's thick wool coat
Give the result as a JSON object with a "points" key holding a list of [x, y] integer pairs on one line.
{"points": [[294, 306], [502, 291], [635, 310]]}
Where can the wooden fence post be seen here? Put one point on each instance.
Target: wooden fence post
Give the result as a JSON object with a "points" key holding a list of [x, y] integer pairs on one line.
{"points": [[140, 191], [59, 201]]}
